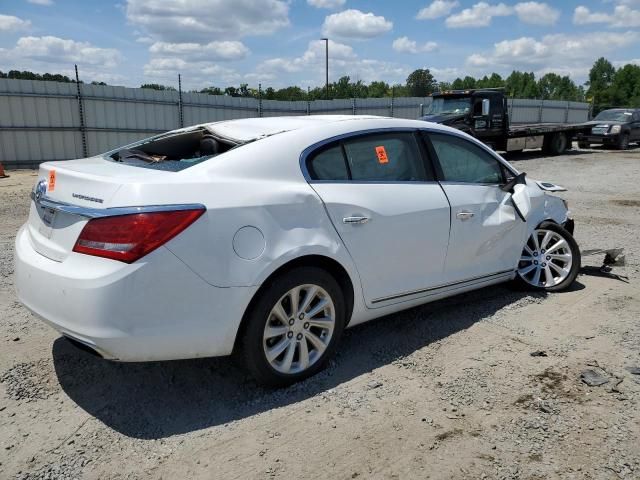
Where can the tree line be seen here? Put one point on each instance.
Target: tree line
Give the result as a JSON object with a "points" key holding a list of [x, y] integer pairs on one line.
{"points": [[606, 86]]}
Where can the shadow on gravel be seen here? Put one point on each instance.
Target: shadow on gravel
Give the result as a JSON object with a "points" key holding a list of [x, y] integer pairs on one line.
{"points": [[156, 400]]}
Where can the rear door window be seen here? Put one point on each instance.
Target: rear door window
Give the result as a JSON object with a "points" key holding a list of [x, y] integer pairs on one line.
{"points": [[329, 164], [391, 157]]}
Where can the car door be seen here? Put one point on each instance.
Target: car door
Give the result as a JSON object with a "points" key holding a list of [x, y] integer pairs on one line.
{"points": [[389, 210], [487, 234]]}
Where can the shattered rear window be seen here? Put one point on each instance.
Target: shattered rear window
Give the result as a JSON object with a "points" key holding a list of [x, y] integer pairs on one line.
{"points": [[172, 152]]}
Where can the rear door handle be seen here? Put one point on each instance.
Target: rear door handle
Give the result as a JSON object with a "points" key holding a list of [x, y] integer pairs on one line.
{"points": [[355, 220], [464, 215]]}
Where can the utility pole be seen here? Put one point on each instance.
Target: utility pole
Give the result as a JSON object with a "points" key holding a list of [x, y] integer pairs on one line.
{"points": [[326, 64]]}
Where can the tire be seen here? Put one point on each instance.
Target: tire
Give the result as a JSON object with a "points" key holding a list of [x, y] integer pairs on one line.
{"points": [[623, 141], [555, 143], [584, 145], [562, 263], [272, 327]]}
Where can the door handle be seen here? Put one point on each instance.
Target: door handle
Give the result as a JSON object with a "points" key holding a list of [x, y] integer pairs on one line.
{"points": [[355, 220], [464, 215]]}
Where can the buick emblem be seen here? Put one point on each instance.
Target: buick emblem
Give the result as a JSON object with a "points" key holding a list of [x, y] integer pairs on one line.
{"points": [[41, 190]]}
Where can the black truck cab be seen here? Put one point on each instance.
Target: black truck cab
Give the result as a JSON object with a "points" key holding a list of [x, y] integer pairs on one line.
{"points": [[481, 113]]}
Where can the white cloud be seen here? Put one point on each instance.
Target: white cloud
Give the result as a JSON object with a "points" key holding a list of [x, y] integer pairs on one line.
{"points": [[45, 3], [355, 24], [406, 45], [342, 61], [622, 17], [326, 3], [437, 9], [479, 15], [216, 50], [180, 21], [536, 13], [313, 57], [194, 74], [9, 23], [57, 51], [567, 54]]}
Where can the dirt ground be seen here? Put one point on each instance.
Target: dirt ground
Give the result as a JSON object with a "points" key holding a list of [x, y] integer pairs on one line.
{"points": [[447, 390]]}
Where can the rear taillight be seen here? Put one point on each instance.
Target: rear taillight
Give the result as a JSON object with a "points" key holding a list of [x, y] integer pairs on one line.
{"points": [[129, 237]]}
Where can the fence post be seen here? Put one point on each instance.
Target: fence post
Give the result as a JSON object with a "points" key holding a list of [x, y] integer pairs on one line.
{"points": [[540, 111], [83, 130], [393, 91], [259, 100], [566, 113], [353, 106], [180, 112], [308, 100]]}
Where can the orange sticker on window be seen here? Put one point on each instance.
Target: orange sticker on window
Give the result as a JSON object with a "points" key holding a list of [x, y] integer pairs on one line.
{"points": [[382, 155], [52, 181]]}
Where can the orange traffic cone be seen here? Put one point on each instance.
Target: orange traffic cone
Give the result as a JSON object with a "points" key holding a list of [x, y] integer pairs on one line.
{"points": [[2, 174]]}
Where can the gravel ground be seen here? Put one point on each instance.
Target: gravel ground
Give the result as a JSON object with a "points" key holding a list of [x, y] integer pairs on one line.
{"points": [[447, 390]]}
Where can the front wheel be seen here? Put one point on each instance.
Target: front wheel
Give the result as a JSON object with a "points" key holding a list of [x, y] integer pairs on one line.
{"points": [[550, 259], [623, 141], [294, 327]]}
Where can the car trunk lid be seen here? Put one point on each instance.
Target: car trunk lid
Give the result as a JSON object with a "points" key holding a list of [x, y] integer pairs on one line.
{"points": [[77, 184]]}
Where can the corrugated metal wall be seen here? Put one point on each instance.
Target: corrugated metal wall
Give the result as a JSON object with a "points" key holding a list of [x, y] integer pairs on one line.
{"points": [[41, 121]]}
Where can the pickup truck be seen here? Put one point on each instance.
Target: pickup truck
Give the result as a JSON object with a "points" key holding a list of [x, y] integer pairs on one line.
{"points": [[483, 114]]}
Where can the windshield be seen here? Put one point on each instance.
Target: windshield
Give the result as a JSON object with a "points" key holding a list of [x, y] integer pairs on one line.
{"points": [[449, 105], [614, 115]]}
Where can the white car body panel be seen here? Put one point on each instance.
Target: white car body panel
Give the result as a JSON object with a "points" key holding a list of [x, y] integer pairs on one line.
{"points": [[187, 298], [487, 242], [390, 264]]}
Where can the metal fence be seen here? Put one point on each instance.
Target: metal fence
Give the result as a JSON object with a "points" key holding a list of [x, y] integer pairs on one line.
{"points": [[42, 121]]}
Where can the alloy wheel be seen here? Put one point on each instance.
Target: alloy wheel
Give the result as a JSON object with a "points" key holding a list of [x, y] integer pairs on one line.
{"points": [[546, 259], [299, 328]]}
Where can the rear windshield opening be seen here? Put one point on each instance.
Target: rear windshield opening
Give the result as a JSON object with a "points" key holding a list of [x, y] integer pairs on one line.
{"points": [[173, 152]]}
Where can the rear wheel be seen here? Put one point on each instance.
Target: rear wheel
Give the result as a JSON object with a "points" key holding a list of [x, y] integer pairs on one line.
{"points": [[555, 144], [294, 327], [550, 259], [623, 141]]}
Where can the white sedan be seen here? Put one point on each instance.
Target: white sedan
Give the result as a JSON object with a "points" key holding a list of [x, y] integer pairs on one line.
{"points": [[267, 237]]}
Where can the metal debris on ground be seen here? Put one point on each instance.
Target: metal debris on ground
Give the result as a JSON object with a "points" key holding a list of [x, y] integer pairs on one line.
{"points": [[539, 353], [593, 378], [633, 370]]}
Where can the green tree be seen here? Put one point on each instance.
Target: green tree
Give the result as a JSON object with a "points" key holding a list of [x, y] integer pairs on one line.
{"points": [[522, 85], [379, 89], [552, 86], [156, 86], [212, 91], [420, 83], [625, 88], [600, 79]]}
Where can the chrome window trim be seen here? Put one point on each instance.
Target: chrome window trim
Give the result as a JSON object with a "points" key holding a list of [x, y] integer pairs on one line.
{"points": [[311, 149], [88, 212]]}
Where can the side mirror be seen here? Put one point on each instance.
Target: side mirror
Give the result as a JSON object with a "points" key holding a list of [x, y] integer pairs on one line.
{"points": [[485, 107]]}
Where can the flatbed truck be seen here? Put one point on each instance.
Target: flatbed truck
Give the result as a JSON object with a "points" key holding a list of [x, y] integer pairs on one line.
{"points": [[483, 114]]}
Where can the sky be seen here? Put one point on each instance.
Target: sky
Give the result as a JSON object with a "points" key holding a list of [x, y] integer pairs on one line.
{"points": [[278, 42]]}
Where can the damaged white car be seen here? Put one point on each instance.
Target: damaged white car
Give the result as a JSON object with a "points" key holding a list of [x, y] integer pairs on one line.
{"points": [[268, 237]]}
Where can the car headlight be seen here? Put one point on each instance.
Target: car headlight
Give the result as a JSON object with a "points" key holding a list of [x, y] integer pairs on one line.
{"points": [[615, 129]]}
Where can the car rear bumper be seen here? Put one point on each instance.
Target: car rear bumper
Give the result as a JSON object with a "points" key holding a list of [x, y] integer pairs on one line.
{"points": [[154, 309]]}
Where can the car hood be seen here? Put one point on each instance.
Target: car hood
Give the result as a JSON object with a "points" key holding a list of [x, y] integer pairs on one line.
{"points": [[605, 122]]}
